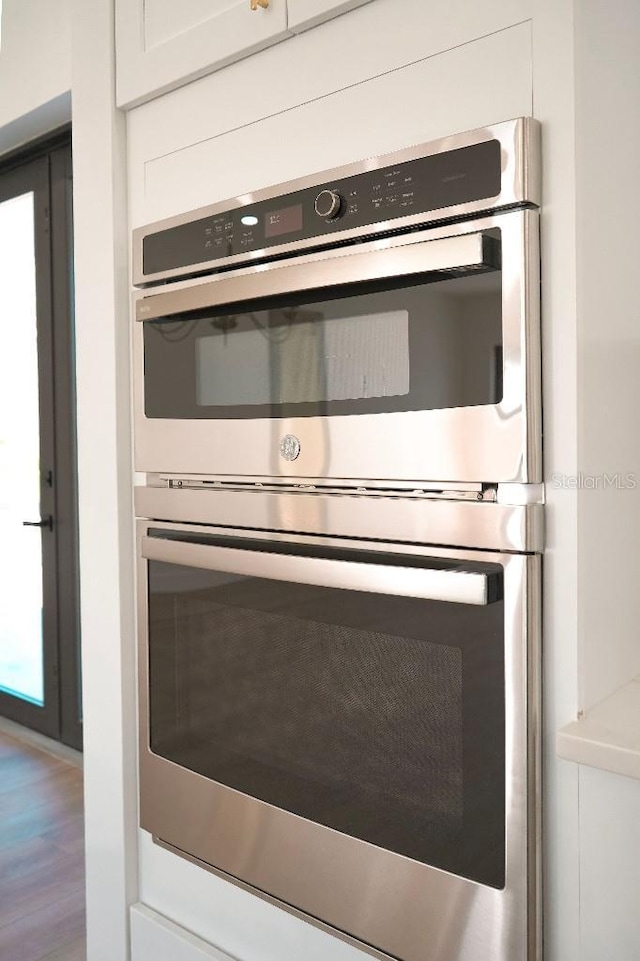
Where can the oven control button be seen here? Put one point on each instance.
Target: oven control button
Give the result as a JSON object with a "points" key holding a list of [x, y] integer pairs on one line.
{"points": [[328, 204], [289, 447]]}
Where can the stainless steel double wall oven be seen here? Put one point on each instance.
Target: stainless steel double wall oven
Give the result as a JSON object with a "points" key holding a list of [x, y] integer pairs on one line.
{"points": [[337, 407]]}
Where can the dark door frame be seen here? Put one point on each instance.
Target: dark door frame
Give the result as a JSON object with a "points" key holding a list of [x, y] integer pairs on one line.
{"points": [[46, 169]]}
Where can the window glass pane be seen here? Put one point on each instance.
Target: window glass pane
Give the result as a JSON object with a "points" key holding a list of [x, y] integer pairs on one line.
{"points": [[21, 665]]}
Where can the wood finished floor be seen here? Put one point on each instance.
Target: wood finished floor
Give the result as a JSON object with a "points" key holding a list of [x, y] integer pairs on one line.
{"points": [[41, 855]]}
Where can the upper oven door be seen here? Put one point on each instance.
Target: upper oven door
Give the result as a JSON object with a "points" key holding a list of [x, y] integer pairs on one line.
{"points": [[408, 359]]}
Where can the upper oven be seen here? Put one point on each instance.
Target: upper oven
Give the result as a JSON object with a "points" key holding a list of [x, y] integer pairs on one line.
{"points": [[373, 326]]}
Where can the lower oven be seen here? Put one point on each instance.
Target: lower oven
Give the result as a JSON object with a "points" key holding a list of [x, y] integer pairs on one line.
{"points": [[348, 726]]}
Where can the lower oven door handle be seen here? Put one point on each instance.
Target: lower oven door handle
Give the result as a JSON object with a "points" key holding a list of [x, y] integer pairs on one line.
{"points": [[434, 584]]}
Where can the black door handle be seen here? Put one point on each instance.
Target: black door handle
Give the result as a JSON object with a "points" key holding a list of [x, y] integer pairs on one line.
{"points": [[45, 522]]}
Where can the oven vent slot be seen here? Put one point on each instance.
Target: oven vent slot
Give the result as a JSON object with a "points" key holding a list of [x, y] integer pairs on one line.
{"points": [[473, 492]]}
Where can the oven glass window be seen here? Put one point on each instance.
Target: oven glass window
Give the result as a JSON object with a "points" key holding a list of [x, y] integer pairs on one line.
{"points": [[381, 717], [421, 347], [362, 357]]}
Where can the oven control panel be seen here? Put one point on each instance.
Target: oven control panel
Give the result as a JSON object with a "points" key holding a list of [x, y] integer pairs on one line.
{"points": [[445, 179]]}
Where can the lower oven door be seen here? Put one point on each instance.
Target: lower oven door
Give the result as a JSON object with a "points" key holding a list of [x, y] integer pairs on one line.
{"points": [[347, 727]]}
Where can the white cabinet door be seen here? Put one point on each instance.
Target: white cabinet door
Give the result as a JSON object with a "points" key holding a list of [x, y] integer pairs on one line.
{"points": [[161, 44], [308, 13]]}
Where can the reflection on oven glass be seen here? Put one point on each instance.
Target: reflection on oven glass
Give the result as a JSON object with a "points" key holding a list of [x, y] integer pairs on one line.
{"points": [[303, 357], [421, 347], [351, 709]]}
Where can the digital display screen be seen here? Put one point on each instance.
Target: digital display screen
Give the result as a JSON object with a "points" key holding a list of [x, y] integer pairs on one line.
{"points": [[285, 221]]}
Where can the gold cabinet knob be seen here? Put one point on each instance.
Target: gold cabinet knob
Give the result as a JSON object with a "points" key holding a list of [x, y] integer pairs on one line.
{"points": [[259, 3]]}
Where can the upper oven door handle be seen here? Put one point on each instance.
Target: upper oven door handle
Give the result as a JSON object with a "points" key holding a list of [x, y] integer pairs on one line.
{"points": [[459, 585], [381, 260]]}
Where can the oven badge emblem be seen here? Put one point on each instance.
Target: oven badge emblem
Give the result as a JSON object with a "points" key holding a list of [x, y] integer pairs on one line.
{"points": [[289, 447]]}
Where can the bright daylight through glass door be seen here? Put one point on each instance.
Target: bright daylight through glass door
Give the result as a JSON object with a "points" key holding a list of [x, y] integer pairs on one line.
{"points": [[21, 652]]}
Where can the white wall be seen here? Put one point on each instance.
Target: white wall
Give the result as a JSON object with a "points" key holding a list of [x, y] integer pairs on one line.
{"points": [[554, 106], [35, 69], [607, 92], [609, 866], [608, 212], [104, 474]]}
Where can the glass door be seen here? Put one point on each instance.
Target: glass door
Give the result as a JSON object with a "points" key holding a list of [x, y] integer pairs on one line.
{"points": [[30, 619], [426, 341], [360, 690]]}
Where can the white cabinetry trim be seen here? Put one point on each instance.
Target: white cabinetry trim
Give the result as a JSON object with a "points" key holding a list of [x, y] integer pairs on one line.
{"points": [[156, 938], [608, 736], [211, 168], [304, 14], [150, 63]]}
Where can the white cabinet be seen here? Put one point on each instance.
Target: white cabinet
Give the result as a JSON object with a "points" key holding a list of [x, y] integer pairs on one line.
{"points": [[308, 13], [161, 44]]}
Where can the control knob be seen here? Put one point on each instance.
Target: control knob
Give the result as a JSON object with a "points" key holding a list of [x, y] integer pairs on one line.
{"points": [[327, 205]]}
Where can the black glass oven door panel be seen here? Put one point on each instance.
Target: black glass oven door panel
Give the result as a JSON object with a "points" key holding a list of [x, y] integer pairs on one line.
{"points": [[363, 349], [378, 716]]}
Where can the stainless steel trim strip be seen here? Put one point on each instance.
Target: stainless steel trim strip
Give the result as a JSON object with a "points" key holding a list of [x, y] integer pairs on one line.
{"points": [[361, 485], [532, 353], [457, 586], [521, 183], [486, 526], [533, 608], [350, 266], [373, 491]]}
